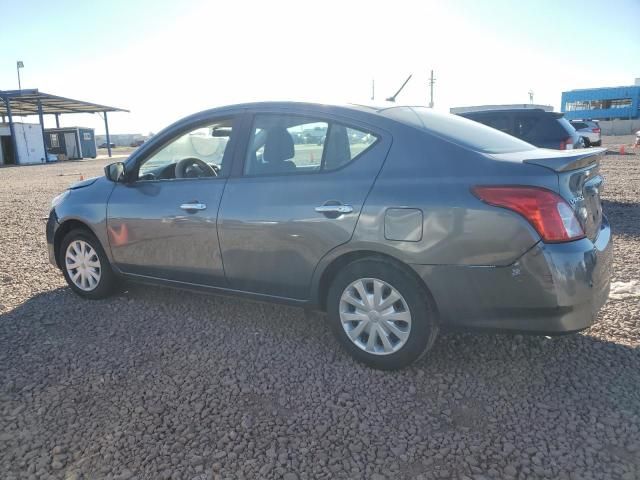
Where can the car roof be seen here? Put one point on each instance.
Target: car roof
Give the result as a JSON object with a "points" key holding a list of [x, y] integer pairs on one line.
{"points": [[537, 111], [299, 104]]}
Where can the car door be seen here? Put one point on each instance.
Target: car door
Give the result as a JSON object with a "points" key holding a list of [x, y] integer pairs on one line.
{"points": [[299, 194], [161, 221]]}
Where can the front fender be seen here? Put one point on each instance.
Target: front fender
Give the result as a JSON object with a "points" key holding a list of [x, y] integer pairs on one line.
{"points": [[88, 205]]}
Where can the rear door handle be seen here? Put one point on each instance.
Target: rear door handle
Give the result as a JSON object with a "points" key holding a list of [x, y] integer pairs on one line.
{"points": [[193, 206], [334, 209]]}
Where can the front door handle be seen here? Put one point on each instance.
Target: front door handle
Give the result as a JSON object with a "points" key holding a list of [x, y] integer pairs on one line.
{"points": [[193, 206], [340, 209]]}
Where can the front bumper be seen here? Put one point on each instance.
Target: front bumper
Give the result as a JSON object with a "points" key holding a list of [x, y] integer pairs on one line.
{"points": [[52, 227], [551, 289]]}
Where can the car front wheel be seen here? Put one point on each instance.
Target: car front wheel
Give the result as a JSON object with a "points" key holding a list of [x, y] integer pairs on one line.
{"points": [[85, 265], [380, 314]]}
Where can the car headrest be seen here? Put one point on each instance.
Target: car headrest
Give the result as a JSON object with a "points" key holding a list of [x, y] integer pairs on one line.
{"points": [[278, 146]]}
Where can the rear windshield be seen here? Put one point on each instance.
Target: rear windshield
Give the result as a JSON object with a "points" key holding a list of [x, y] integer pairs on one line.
{"points": [[459, 130]]}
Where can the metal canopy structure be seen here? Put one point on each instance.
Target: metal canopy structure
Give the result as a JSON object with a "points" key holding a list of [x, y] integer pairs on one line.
{"points": [[25, 102], [33, 102]]}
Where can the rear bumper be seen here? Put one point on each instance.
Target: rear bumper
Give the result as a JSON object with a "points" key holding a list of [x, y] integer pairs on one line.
{"points": [[551, 289], [594, 138]]}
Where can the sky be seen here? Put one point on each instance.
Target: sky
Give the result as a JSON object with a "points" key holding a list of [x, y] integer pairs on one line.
{"points": [[165, 59]]}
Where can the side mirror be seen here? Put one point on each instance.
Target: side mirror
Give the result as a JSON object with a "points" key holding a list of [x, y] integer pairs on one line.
{"points": [[114, 171]]}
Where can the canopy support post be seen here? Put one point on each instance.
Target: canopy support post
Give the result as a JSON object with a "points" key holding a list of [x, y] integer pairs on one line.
{"points": [[44, 141], [106, 128], [12, 130], [57, 120]]}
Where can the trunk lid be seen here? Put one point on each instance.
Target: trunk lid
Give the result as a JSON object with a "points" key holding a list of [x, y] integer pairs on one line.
{"points": [[579, 181]]}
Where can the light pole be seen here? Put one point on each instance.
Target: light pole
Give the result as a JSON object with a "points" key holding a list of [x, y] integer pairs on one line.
{"points": [[19, 65]]}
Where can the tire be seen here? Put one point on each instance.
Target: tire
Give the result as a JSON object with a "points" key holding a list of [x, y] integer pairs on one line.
{"points": [[105, 283], [421, 331], [586, 141]]}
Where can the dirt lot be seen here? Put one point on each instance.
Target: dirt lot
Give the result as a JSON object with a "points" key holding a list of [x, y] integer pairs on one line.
{"points": [[158, 384]]}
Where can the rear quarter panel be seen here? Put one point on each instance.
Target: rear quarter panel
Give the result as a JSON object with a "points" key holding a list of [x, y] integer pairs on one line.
{"points": [[435, 176]]}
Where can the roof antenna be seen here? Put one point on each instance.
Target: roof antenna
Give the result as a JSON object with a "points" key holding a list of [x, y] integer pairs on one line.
{"points": [[393, 97]]}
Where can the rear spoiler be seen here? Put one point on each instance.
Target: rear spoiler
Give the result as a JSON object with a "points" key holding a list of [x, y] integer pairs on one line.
{"points": [[564, 163]]}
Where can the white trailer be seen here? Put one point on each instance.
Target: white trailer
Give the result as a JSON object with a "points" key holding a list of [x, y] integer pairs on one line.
{"points": [[28, 142]]}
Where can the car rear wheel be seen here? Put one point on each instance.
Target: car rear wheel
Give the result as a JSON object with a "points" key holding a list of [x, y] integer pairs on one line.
{"points": [[85, 265], [380, 314], [586, 141]]}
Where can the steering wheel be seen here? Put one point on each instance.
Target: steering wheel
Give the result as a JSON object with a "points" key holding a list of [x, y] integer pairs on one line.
{"points": [[194, 168]]}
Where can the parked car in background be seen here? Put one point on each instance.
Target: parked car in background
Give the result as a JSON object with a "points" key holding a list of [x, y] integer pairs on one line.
{"points": [[638, 138], [104, 145], [402, 222], [589, 130], [535, 126], [136, 143]]}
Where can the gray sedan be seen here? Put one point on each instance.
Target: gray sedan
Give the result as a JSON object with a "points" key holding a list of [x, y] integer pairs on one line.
{"points": [[397, 222]]}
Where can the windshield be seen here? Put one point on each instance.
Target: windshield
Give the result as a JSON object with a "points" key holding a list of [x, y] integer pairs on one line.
{"points": [[459, 130]]}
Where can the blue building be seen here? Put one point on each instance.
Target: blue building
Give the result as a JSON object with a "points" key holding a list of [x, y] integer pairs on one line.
{"points": [[602, 103]]}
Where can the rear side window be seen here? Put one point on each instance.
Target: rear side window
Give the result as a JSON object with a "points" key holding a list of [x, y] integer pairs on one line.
{"points": [[278, 146], [499, 122], [344, 144], [282, 144], [459, 130], [565, 126], [542, 128], [525, 126]]}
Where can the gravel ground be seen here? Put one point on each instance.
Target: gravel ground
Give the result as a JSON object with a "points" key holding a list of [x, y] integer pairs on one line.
{"points": [[159, 384]]}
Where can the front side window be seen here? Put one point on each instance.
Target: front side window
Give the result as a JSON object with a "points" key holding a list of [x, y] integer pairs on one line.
{"points": [[199, 153], [283, 144]]}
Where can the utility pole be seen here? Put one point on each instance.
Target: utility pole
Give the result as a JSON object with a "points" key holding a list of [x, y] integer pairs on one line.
{"points": [[531, 96], [373, 89], [431, 82]]}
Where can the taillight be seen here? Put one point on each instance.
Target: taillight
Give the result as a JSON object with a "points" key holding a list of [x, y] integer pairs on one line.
{"points": [[567, 144], [546, 211], [595, 130]]}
